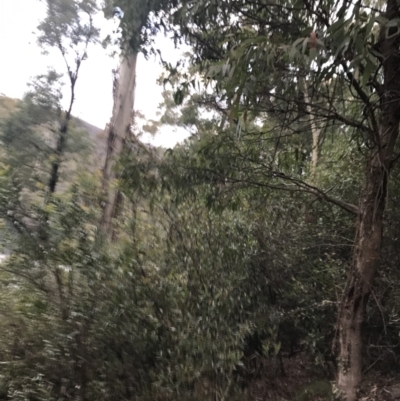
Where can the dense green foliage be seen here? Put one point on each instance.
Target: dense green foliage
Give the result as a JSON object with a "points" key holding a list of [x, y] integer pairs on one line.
{"points": [[231, 253]]}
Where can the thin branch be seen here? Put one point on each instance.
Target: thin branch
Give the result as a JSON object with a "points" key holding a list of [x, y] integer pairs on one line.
{"points": [[300, 186]]}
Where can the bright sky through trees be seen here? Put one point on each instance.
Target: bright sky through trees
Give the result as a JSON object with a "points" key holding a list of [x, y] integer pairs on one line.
{"points": [[22, 59]]}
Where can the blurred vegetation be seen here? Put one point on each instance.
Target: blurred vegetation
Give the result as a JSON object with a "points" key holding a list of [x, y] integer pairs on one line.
{"points": [[223, 282]]}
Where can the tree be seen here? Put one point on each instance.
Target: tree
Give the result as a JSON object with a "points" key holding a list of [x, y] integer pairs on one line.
{"points": [[255, 55], [68, 28], [118, 130], [29, 137], [135, 26], [232, 247]]}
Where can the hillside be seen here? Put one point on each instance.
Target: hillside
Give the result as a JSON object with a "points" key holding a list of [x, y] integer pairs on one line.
{"points": [[92, 130], [9, 105], [95, 135]]}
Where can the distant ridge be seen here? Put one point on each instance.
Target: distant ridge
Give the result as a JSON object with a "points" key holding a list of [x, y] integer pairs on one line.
{"points": [[97, 135], [8, 105], [90, 128]]}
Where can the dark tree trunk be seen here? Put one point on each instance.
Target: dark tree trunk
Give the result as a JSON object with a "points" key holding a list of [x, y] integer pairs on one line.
{"points": [[55, 166], [358, 288], [367, 246], [62, 139]]}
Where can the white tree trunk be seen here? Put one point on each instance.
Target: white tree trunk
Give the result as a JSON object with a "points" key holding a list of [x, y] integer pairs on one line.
{"points": [[314, 130], [119, 129]]}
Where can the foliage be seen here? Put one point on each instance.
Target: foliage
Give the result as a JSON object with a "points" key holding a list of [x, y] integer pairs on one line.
{"points": [[232, 252], [140, 22], [68, 25]]}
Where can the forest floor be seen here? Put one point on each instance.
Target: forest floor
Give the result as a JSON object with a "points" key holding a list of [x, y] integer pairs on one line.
{"points": [[296, 379]]}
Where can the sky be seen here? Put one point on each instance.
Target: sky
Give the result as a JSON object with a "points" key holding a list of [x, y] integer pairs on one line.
{"points": [[22, 59]]}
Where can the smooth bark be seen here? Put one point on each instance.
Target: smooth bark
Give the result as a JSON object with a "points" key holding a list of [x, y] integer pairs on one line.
{"points": [[119, 129], [315, 131]]}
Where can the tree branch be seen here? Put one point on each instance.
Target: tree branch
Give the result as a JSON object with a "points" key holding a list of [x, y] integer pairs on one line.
{"points": [[300, 186]]}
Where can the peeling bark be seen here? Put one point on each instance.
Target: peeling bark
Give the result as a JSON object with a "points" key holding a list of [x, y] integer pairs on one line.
{"points": [[365, 263], [119, 129], [367, 245]]}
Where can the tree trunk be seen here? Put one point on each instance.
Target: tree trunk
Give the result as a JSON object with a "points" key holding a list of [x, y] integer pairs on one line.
{"points": [[62, 139], [368, 238], [124, 94], [55, 166], [358, 288], [314, 130]]}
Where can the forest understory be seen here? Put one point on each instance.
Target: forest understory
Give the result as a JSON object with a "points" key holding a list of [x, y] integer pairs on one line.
{"points": [[256, 260]]}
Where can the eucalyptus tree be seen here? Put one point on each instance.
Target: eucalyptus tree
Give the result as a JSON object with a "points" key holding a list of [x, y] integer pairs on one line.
{"points": [[335, 62], [137, 29], [67, 28]]}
